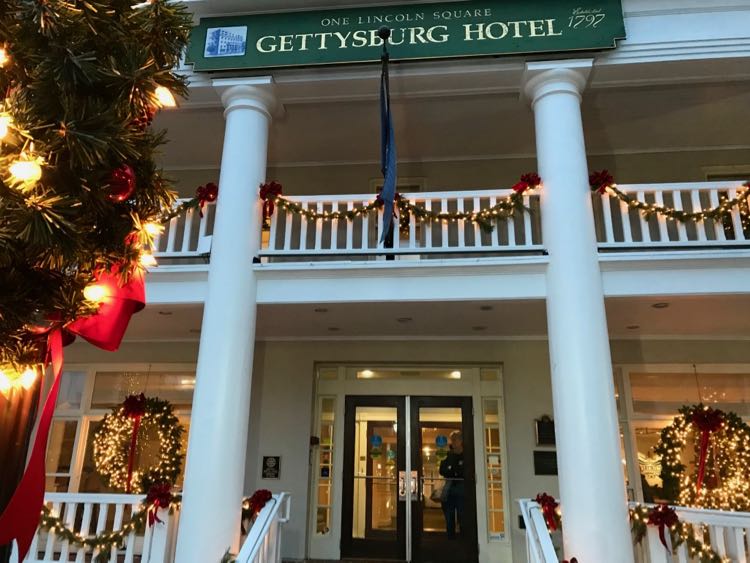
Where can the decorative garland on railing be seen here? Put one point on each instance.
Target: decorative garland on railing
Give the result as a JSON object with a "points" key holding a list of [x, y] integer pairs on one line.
{"points": [[672, 532], [271, 194], [158, 497], [603, 182]]}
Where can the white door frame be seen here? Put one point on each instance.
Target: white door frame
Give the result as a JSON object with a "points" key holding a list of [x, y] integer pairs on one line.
{"points": [[341, 381]]}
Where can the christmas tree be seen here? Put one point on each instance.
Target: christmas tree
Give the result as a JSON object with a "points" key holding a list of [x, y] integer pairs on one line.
{"points": [[79, 186], [81, 195]]}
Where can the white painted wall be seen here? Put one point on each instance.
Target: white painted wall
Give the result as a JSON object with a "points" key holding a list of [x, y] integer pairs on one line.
{"points": [[283, 389]]}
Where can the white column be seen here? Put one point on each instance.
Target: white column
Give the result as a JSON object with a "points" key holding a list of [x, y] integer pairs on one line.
{"points": [[211, 506], [592, 489]]}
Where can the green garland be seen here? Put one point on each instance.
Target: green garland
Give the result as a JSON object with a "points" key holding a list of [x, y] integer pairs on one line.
{"points": [[104, 542], [485, 218], [603, 182], [679, 533]]}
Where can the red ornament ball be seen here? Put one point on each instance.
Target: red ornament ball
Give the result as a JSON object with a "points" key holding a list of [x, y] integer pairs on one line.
{"points": [[121, 183]]}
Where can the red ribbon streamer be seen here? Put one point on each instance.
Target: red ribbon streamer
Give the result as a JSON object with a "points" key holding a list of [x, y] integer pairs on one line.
{"points": [[706, 420], [105, 329], [21, 517]]}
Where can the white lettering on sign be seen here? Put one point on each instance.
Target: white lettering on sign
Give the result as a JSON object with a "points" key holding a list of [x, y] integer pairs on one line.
{"points": [[417, 35]]}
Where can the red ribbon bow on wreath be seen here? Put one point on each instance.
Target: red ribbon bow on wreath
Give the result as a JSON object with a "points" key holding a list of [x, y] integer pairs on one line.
{"points": [[206, 194], [707, 421], [269, 193], [549, 509], [528, 182], [664, 517], [601, 180], [159, 496]]}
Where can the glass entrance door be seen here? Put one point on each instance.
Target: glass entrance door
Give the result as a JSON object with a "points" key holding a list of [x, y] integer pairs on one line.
{"points": [[409, 489]]}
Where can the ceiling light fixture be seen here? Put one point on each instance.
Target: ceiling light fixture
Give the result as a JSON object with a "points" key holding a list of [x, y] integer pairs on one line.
{"points": [[486, 308], [661, 305], [320, 310], [633, 327], [478, 328], [404, 320]]}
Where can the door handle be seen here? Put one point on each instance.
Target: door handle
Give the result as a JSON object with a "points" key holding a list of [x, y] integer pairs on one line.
{"points": [[414, 484]]}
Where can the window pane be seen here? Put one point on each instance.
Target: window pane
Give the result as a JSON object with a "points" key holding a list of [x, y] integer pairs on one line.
{"points": [[665, 393], [325, 463], [60, 446], [493, 461], [57, 484], [649, 463], [111, 388], [71, 390]]}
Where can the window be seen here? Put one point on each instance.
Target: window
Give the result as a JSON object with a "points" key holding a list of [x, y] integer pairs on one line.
{"points": [[86, 396], [494, 468], [324, 493]]}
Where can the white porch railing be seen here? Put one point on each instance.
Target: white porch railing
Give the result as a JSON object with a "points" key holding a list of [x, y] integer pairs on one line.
{"points": [[186, 236], [92, 514], [295, 235], [263, 543], [539, 548], [728, 533], [620, 226]]}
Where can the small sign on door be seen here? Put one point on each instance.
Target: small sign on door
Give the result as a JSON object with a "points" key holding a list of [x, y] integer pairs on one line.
{"points": [[271, 467]]}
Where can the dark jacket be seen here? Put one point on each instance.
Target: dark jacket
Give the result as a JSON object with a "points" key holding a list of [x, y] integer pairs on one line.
{"points": [[452, 467]]}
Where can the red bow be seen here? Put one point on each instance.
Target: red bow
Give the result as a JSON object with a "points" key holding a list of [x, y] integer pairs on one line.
{"points": [[528, 182], [105, 329], [206, 194], [664, 517], [259, 500], [601, 180], [706, 420], [269, 193], [549, 509], [159, 496]]}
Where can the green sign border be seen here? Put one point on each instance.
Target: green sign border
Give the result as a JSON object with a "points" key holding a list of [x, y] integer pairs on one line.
{"points": [[589, 28]]}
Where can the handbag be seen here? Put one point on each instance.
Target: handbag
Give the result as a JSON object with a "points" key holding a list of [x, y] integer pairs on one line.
{"points": [[440, 493]]}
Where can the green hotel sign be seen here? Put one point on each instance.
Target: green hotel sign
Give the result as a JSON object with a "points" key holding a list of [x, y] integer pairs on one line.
{"points": [[469, 28]]}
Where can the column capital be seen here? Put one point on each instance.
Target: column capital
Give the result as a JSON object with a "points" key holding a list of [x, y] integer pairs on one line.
{"points": [[547, 77], [257, 92]]}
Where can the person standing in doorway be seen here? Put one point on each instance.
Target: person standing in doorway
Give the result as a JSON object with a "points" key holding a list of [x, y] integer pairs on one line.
{"points": [[452, 469]]}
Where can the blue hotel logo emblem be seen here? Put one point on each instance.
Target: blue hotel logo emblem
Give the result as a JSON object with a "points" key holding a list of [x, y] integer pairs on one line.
{"points": [[225, 41]]}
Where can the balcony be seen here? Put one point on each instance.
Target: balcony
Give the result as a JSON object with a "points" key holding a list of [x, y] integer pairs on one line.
{"points": [[621, 228]]}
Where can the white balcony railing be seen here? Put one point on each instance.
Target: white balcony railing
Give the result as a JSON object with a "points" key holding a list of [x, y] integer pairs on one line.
{"points": [[187, 236], [295, 235], [93, 514], [263, 542], [539, 548], [620, 226], [728, 534]]}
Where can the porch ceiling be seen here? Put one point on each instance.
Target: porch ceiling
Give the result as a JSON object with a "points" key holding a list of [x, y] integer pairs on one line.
{"points": [[691, 317]]}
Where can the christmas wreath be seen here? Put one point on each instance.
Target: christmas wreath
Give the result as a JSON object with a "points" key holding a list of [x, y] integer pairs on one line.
{"points": [[720, 446], [116, 445]]}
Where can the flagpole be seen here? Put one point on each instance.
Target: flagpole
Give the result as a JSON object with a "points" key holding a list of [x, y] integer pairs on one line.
{"points": [[387, 145]]}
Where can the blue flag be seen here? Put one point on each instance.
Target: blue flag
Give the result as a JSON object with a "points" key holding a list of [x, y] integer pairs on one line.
{"points": [[388, 151]]}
